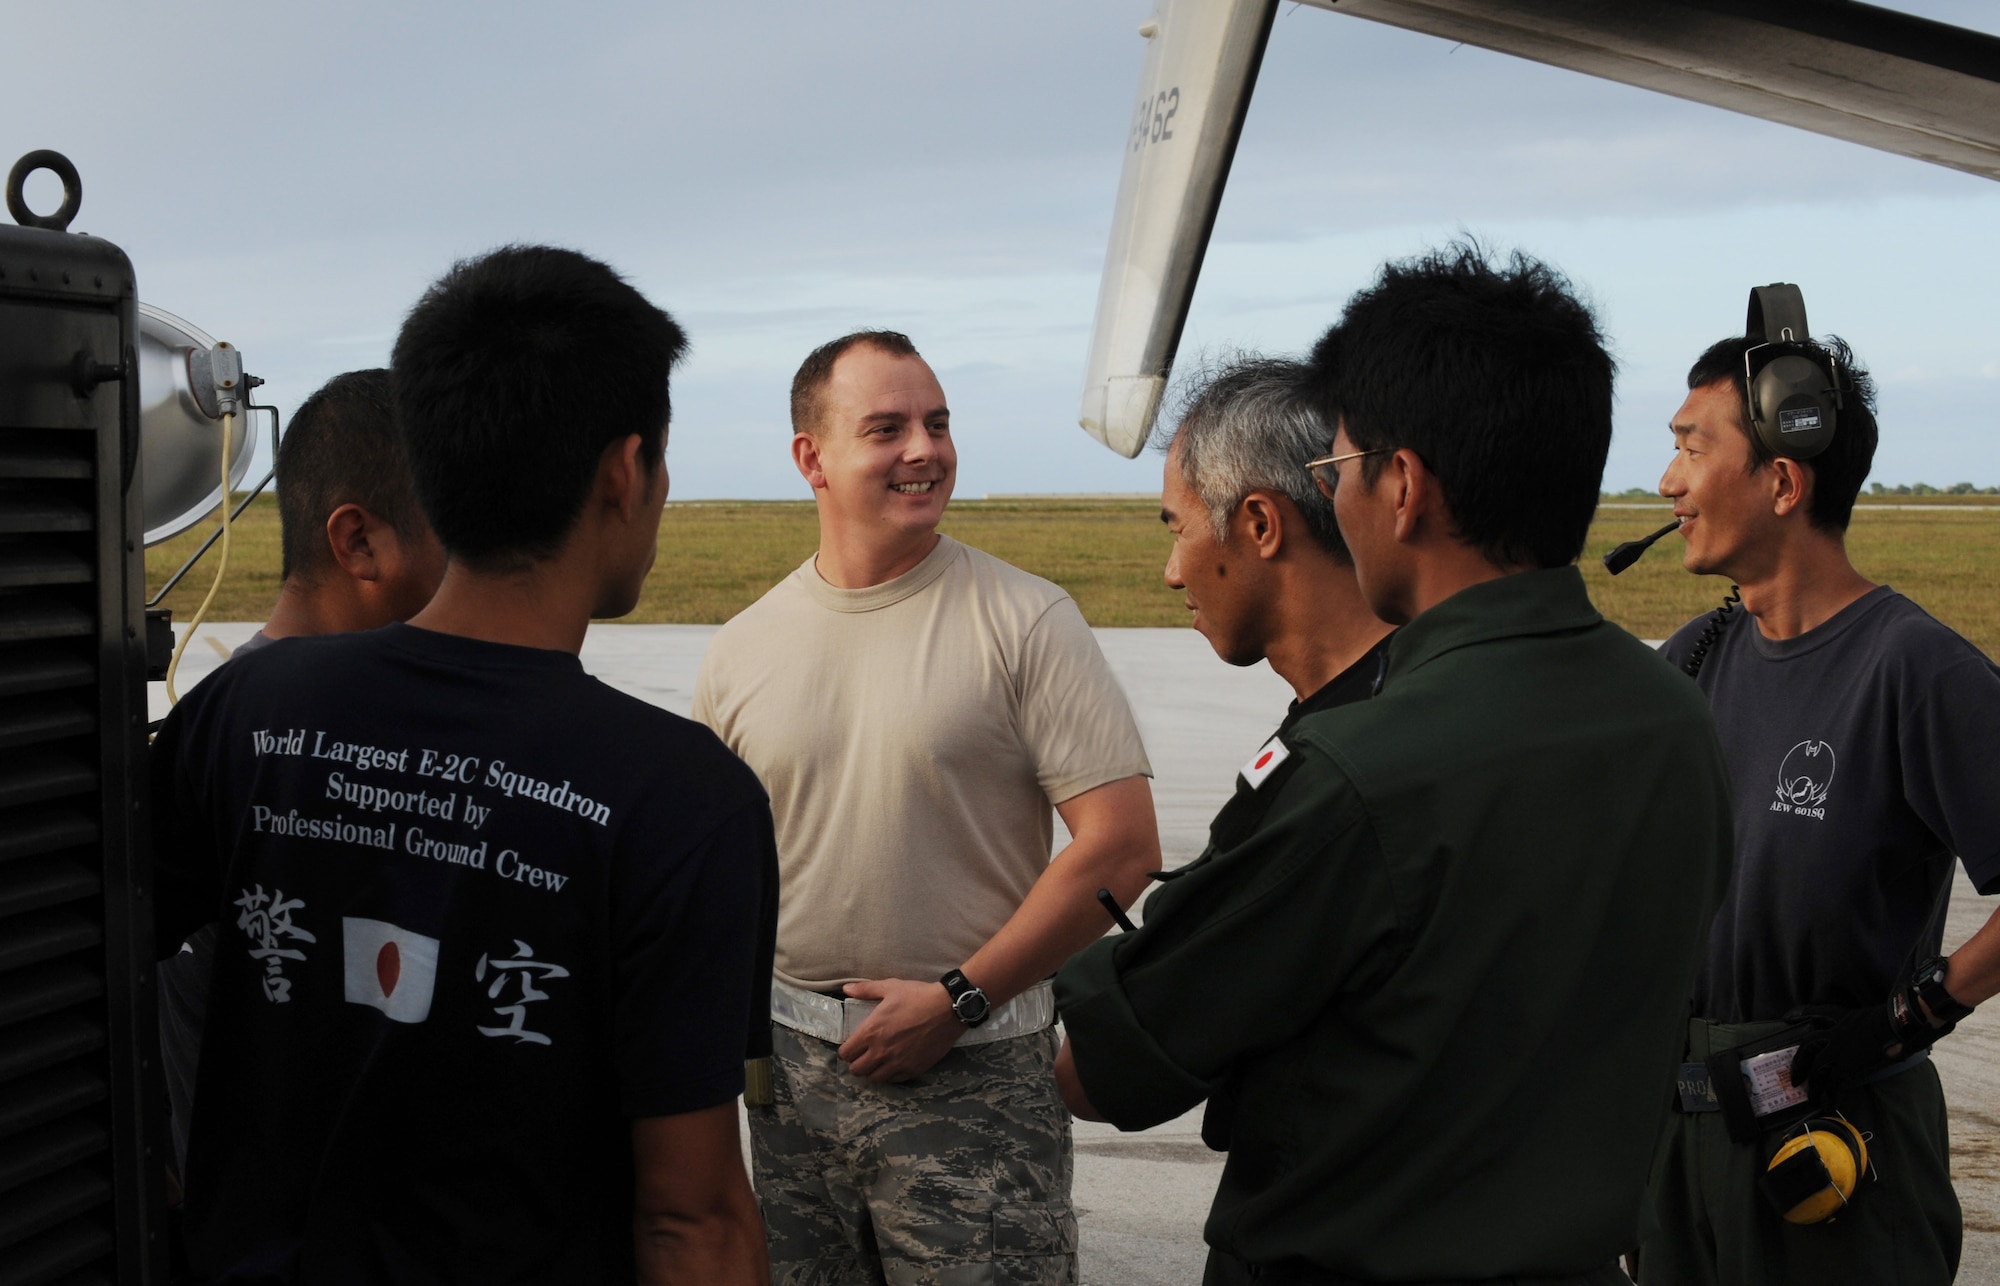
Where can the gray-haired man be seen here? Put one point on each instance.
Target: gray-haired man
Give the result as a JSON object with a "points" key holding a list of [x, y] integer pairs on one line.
{"points": [[1261, 562]]}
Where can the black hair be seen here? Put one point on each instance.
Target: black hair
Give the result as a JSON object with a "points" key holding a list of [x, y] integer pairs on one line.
{"points": [[1496, 375], [817, 369], [1838, 471], [342, 448], [512, 375]]}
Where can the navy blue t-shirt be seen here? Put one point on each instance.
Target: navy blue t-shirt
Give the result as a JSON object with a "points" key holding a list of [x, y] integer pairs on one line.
{"points": [[478, 911], [1863, 758]]}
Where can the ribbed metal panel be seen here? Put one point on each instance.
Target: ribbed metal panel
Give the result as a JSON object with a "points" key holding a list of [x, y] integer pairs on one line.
{"points": [[23, 567], [48, 881], [55, 774], [79, 1171], [48, 669], [49, 1042], [29, 617], [68, 1254], [29, 831], [31, 719]]}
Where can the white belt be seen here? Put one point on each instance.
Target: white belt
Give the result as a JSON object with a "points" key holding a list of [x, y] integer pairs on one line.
{"points": [[834, 1018]]}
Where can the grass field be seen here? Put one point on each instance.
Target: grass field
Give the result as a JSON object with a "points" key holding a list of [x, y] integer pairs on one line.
{"points": [[718, 556]]}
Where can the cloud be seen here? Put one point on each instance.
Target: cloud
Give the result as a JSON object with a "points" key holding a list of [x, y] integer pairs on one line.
{"points": [[290, 177]]}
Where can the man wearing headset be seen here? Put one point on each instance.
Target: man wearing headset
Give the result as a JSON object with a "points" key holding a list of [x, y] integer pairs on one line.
{"points": [[1859, 736]]}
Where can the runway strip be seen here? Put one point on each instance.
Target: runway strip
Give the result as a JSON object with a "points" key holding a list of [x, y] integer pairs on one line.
{"points": [[1143, 1197]]}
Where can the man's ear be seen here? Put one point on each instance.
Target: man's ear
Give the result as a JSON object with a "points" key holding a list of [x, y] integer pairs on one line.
{"points": [[1260, 523], [353, 534], [805, 456], [1791, 487], [621, 475], [1413, 493]]}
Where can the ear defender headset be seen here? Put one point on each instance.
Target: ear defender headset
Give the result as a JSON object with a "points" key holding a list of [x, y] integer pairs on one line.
{"points": [[1794, 391], [1819, 1167]]}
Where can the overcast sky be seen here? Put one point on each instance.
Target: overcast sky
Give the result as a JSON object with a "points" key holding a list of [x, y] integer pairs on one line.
{"points": [[291, 176]]}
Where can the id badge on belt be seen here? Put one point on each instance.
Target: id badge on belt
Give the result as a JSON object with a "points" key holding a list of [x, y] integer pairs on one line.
{"points": [[1770, 1077], [1750, 1084]]}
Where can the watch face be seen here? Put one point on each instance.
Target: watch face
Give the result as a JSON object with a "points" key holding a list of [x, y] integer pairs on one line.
{"points": [[971, 1006]]}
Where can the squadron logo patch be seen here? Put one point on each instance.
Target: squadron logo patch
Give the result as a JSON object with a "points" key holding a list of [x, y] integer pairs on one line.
{"points": [[1265, 762], [1804, 779]]}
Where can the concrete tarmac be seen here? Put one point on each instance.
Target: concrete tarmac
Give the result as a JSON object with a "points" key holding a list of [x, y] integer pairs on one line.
{"points": [[1142, 1198]]}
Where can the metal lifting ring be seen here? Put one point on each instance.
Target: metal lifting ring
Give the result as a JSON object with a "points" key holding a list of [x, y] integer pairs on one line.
{"points": [[17, 201]]}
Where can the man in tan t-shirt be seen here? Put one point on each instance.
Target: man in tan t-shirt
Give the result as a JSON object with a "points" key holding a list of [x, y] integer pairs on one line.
{"points": [[915, 707]]}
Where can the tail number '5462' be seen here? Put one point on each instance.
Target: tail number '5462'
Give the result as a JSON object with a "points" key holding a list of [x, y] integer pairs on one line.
{"points": [[1155, 121]]}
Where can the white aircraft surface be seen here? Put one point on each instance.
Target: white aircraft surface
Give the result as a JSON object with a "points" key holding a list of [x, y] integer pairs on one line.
{"points": [[1854, 71]]}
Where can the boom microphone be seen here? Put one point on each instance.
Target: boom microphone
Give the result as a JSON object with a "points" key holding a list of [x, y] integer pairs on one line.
{"points": [[1628, 553]]}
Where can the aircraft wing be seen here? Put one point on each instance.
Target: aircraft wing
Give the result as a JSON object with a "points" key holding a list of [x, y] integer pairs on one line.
{"points": [[1853, 71], [1201, 62]]}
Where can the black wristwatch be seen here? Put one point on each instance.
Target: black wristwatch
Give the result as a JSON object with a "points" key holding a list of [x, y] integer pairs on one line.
{"points": [[967, 1001], [1928, 984]]}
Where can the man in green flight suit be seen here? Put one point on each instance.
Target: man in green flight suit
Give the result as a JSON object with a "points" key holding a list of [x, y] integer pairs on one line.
{"points": [[1444, 978], [1257, 554]]}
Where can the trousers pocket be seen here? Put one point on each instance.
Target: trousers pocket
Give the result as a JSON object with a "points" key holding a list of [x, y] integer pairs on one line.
{"points": [[1034, 1228]]}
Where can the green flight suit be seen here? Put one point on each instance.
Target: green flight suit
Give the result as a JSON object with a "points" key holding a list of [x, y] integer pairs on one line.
{"points": [[1445, 977]]}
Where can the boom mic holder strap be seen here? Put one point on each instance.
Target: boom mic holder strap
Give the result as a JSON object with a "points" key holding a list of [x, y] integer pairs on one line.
{"points": [[1777, 315]]}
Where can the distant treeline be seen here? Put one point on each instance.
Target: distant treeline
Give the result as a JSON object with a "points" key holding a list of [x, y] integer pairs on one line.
{"points": [[1874, 489], [1926, 489]]}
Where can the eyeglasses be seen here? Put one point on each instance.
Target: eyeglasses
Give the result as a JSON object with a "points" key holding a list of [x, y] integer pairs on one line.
{"points": [[1325, 473]]}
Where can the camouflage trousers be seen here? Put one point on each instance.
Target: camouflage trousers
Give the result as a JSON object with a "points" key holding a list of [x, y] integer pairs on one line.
{"points": [[960, 1177]]}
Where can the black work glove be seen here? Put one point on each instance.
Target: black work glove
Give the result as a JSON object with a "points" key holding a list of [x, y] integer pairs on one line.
{"points": [[1858, 1043]]}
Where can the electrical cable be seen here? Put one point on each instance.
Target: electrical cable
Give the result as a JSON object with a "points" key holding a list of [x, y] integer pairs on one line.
{"points": [[221, 566], [1717, 622]]}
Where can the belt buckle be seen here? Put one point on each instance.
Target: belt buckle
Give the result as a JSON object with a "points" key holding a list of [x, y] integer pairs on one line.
{"points": [[853, 1013]]}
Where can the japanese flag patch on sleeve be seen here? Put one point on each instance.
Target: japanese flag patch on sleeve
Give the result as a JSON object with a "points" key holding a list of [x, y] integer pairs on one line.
{"points": [[1265, 762]]}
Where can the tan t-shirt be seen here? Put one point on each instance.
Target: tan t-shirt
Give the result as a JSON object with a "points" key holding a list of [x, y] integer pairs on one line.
{"points": [[913, 736]]}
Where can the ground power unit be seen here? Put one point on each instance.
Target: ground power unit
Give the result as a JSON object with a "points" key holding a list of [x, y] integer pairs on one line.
{"points": [[82, 1137]]}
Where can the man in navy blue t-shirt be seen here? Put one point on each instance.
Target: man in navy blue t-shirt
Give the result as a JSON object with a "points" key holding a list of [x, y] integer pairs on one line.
{"points": [[1858, 731], [357, 555], [493, 935]]}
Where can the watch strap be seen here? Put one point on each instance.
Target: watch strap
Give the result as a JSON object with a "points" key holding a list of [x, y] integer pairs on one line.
{"points": [[1928, 985]]}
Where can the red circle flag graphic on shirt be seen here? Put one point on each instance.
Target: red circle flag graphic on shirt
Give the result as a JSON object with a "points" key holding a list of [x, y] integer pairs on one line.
{"points": [[1265, 762], [388, 965], [389, 968]]}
